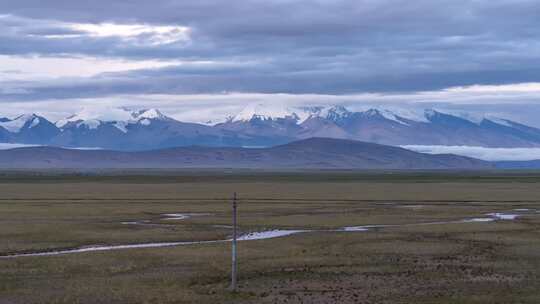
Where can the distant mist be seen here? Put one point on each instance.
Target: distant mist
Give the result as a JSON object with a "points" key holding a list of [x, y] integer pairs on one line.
{"points": [[7, 146], [488, 154]]}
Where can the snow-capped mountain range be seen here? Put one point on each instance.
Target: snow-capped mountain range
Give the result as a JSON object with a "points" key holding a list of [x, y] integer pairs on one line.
{"points": [[259, 125], [119, 117]]}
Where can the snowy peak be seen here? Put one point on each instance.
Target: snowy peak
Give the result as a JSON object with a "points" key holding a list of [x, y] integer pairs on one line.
{"points": [[334, 113], [259, 111], [339, 110], [385, 114], [378, 114], [269, 125], [145, 117], [93, 118], [26, 121], [117, 117], [149, 114], [298, 114], [340, 113]]}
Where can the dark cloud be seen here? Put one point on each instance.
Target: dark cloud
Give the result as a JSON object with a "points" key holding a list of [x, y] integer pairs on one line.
{"points": [[261, 79], [292, 46]]}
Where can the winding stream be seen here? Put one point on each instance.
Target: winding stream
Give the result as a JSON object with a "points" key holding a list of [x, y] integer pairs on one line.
{"points": [[261, 235]]}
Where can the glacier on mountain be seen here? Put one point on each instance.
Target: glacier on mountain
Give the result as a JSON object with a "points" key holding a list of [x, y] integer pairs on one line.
{"points": [[15, 125], [265, 125], [119, 117]]}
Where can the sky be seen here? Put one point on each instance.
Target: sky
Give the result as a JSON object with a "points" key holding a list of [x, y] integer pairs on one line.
{"points": [[200, 60]]}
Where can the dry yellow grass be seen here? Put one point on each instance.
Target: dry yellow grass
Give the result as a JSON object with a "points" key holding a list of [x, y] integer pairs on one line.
{"points": [[494, 262]]}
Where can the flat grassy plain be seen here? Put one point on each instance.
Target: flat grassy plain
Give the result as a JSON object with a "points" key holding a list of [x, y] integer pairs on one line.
{"points": [[479, 262]]}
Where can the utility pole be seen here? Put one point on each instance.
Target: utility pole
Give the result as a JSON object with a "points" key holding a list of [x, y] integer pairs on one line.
{"points": [[234, 261]]}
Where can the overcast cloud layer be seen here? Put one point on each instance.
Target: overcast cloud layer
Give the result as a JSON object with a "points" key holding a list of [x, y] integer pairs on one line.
{"points": [[210, 56]]}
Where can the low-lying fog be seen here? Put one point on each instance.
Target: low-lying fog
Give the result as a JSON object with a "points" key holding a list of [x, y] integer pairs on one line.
{"points": [[489, 154]]}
